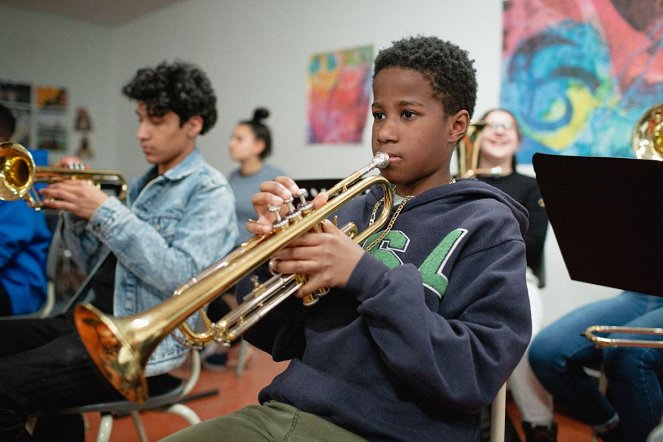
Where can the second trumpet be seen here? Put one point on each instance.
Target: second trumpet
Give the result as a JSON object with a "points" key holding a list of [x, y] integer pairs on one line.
{"points": [[19, 174]]}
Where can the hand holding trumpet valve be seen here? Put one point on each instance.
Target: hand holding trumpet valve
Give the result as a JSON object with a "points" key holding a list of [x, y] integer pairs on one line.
{"points": [[325, 257], [80, 197]]}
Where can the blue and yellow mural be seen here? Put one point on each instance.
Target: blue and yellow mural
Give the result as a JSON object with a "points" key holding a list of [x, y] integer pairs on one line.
{"points": [[578, 74]]}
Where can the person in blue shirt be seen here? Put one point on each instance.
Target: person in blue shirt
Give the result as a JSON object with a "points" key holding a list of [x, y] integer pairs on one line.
{"points": [[178, 220], [24, 244]]}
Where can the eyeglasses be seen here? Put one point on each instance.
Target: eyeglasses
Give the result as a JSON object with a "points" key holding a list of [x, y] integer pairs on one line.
{"points": [[502, 125]]}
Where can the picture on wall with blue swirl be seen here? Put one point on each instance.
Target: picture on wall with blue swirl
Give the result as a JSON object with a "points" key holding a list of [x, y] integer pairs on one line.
{"points": [[578, 74]]}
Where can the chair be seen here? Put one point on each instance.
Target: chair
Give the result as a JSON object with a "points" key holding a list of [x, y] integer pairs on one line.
{"points": [[498, 416], [242, 358], [44, 311], [166, 402]]}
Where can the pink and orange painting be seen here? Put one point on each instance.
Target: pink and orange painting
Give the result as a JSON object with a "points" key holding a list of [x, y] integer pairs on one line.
{"points": [[338, 94]]}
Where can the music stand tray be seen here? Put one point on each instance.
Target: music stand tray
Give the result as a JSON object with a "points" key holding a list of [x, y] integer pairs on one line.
{"points": [[607, 215]]}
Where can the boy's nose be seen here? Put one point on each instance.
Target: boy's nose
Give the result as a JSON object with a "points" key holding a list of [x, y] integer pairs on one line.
{"points": [[387, 132], [142, 132]]}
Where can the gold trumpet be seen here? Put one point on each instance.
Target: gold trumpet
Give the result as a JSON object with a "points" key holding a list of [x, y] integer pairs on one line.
{"points": [[591, 333], [647, 138], [120, 347], [19, 174], [467, 153]]}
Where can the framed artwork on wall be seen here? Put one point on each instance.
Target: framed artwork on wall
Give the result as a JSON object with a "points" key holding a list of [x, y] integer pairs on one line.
{"points": [[338, 93]]}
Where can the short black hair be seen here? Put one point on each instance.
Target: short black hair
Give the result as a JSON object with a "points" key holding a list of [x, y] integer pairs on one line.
{"points": [[7, 123], [260, 130], [447, 66], [179, 87]]}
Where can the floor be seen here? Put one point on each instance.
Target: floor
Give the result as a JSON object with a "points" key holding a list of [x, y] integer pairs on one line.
{"points": [[225, 392]]}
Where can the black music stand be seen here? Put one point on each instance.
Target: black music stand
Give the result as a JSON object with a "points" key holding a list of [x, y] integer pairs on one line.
{"points": [[607, 215]]}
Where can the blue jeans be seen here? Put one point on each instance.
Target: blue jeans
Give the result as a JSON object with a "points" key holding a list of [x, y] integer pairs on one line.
{"points": [[560, 351]]}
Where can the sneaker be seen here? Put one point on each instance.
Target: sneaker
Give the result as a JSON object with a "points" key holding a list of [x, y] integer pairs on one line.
{"points": [[540, 433], [215, 361]]}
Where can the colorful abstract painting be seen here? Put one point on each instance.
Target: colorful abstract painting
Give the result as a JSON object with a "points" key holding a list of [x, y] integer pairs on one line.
{"points": [[578, 74], [338, 94]]}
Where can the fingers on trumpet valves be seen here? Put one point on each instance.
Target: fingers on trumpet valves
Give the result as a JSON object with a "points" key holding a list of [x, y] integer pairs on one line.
{"points": [[278, 223], [293, 214], [304, 207]]}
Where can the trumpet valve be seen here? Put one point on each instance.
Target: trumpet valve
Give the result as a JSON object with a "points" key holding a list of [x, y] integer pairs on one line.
{"points": [[304, 207], [310, 299], [293, 214], [278, 223]]}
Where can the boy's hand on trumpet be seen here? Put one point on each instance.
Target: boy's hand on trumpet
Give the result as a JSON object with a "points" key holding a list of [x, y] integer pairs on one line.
{"points": [[71, 162], [327, 258], [80, 197]]}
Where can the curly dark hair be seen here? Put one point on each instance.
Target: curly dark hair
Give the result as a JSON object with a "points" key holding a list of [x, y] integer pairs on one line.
{"points": [[447, 66], [179, 87], [260, 130], [7, 123]]}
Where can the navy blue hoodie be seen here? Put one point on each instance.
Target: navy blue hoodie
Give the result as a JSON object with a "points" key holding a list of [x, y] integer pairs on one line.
{"points": [[431, 323]]}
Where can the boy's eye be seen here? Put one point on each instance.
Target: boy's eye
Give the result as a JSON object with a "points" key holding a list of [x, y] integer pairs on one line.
{"points": [[408, 114], [378, 115]]}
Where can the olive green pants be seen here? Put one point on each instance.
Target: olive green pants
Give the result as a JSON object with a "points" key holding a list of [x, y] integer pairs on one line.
{"points": [[272, 421]]}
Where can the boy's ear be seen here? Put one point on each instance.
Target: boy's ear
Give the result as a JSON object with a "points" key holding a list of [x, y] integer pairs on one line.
{"points": [[194, 125], [459, 123]]}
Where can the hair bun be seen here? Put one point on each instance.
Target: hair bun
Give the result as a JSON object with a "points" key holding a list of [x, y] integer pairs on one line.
{"points": [[260, 114]]}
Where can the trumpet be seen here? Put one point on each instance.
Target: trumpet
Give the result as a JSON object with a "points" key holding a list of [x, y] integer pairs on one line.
{"points": [[647, 136], [120, 347], [592, 333], [19, 174], [467, 154]]}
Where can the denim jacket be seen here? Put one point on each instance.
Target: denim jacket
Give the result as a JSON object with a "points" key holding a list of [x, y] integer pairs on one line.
{"points": [[177, 225]]}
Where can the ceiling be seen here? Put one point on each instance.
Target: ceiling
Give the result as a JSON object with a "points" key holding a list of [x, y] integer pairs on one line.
{"points": [[102, 12]]}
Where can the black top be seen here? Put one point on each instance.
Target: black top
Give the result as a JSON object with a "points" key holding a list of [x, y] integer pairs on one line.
{"points": [[525, 190], [103, 284], [103, 281]]}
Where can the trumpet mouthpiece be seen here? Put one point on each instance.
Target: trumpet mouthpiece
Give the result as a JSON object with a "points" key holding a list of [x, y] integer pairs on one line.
{"points": [[381, 160]]}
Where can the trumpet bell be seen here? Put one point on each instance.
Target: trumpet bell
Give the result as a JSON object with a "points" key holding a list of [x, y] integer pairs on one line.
{"points": [[647, 139], [114, 351], [16, 171]]}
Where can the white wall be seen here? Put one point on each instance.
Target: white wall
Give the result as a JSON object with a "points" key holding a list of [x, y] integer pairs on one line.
{"points": [[256, 54], [46, 50]]}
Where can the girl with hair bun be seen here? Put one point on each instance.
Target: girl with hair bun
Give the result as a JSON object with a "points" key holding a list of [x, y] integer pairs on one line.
{"points": [[250, 144]]}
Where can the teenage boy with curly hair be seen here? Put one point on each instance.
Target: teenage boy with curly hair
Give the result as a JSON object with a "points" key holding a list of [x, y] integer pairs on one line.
{"points": [[427, 320], [178, 220]]}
